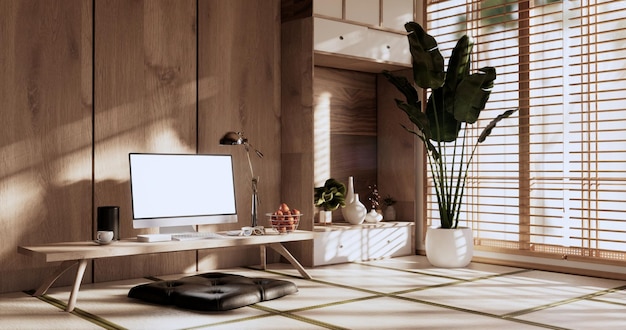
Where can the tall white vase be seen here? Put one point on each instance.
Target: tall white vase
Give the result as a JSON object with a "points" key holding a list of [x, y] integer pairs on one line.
{"points": [[350, 190], [349, 197], [354, 212]]}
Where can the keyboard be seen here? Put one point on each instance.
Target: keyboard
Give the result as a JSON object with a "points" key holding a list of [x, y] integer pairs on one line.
{"points": [[194, 236]]}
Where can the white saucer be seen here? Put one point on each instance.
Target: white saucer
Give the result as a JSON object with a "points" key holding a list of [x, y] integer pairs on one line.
{"points": [[102, 243]]}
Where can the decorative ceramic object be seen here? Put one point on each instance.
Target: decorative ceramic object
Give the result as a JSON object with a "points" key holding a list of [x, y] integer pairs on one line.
{"points": [[325, 217], [355, 211], [449, 248], [373, 217], [350, 190], [390, 213]]}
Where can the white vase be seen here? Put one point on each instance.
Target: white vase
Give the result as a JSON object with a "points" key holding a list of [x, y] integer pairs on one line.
{"points": [[390, 213], [354, 212], [350, 191], [449, 248], [373, 217]]}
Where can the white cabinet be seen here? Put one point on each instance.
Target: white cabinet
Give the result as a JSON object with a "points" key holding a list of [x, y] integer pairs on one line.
{"points": [[363, 11], [346, 243], [387, 14], [388, 47], [331, 8], [395, 13], [339, 37], [355, 40]]}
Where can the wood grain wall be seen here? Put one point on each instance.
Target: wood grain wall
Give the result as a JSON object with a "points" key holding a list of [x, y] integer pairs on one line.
{"points": [[400, 156], [297, 124], [81, 87], [346, 129], [145, 101], [239, 90], [46, 135]]}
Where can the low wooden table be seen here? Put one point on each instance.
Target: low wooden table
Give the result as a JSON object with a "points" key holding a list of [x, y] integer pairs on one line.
{"points": [[71, 253]]}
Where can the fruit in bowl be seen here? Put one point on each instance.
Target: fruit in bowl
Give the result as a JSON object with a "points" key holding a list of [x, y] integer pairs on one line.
{"points": [[285, 220]]}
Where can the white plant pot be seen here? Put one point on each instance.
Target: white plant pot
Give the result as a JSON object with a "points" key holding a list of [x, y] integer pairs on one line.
{"points": [[325, 217], [449, 248]]}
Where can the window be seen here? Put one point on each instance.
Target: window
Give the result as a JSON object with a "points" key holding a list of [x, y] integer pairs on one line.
{"points": [[551, 179]]}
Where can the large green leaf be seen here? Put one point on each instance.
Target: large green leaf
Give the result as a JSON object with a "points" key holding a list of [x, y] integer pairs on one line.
{"points": [[487, 131], [405, 87], [472, 94], [416, 116], [443, 126], [459, 62], [426, 59]]}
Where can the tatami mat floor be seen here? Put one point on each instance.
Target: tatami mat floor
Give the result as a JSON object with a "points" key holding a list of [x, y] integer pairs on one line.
{"points": [[399, 293]]}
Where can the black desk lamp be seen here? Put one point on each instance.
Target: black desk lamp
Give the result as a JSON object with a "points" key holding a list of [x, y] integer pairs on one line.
{"points": [[237, 138]]}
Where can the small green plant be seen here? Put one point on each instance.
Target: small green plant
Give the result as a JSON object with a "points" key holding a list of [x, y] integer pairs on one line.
{"points": [[388, 201], [331, 196]]}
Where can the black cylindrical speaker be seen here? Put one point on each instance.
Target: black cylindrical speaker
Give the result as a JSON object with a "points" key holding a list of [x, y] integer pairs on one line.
{"points": [[109, 219]]}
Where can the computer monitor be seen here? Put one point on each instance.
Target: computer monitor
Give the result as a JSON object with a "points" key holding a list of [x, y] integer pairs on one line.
{"points": [[178, 191]]}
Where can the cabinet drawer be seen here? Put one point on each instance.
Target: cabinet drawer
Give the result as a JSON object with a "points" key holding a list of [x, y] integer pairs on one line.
{"points": [[338, 37], [388, 46], [337, 246], [355, 40], [387, 242], [359, 243]]}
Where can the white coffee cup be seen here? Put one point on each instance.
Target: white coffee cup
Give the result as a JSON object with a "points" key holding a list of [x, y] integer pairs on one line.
{"points": [[246, 231], [104, 236]]}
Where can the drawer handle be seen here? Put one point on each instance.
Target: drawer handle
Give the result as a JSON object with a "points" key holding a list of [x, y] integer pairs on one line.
{"points": [[340, 37]]}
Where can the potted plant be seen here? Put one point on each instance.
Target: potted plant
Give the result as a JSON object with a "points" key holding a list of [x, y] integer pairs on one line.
{"points": [[390, 211], [329, 197], [457, 97]]}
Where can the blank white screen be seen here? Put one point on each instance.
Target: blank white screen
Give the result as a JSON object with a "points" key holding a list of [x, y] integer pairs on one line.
{"points": [[165, 185]]}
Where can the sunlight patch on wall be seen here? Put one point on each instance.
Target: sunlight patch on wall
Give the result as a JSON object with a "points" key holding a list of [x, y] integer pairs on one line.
{"points": [[321, 132]]}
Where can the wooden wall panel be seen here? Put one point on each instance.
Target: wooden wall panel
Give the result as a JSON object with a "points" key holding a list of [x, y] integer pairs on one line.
{"points": [[239, 90], [400, 160], [297, 126], [45, 140], [145, 101], [144, 97], [350, 98], [296, 9]]}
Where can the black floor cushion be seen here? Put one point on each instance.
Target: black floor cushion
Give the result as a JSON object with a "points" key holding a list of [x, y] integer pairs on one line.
{"points": [[212, 291]]}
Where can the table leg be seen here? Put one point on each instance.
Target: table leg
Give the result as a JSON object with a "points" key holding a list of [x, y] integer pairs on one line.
{"points": [[263, 251], [47, 283], [283, 252], [82, 264]]}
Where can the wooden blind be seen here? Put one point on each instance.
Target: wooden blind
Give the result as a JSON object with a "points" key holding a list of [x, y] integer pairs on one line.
{"points": [[551, 179]]}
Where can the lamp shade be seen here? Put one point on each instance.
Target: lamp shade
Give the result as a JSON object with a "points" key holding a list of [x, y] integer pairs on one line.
{"points": [[233, 138]]}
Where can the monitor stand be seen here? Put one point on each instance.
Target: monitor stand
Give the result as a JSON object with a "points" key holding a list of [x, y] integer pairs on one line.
{"points": [[177, 229], [165, 233]]}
